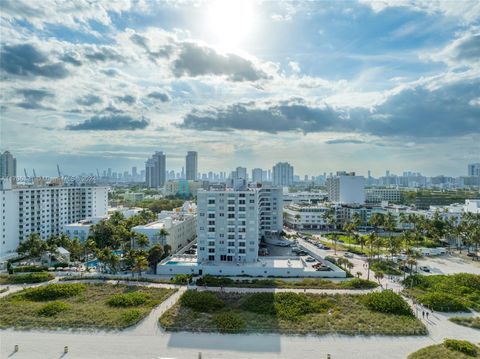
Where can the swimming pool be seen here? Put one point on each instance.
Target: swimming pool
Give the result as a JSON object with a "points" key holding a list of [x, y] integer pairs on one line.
{"points": [[94, 262], [175, 263]]}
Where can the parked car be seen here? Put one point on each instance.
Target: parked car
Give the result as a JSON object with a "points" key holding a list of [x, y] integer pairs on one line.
{"points": [[425, 269], [310, 259], [472, 254], [326, 248], [303, 253], [348, 255]]}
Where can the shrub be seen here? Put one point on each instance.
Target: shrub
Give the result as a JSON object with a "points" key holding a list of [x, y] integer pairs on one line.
{"points": [[261, 303], [212, 281], [131, 299], [443, 302], [201, 301], [29, 278], [473, 322], [387, 302], [182, 279], [54, 291], [387, 267], [358, 283], [60, 265], [53, 308], [31, 268], [331, 259], [462, 346], [130, 317], [229, 322]]}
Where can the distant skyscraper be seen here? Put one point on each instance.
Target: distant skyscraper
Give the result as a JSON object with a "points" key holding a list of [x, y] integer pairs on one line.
{"points": [[134, 171], [257, 175], [474, 169], [191, 165], [282, 174], [8, 165], [155, 170]]}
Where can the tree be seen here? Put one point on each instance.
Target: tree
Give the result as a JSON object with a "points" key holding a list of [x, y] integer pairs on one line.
{"points": [[33, 247], [140, 240], [167, 250], [379, 276], [75, 248], [297, 221], [163, 235], [140, 263], [359, 274], [155, 255]]}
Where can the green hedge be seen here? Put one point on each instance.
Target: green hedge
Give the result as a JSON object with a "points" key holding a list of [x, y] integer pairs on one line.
{"points": [[358, 283], [26, 278], [32, 268], [443, 302], [131, 299], [387, 302], [182, 279], [201, 301], [462, 346], [53, 308], [229, 322], [131, 317], [53, 291]]}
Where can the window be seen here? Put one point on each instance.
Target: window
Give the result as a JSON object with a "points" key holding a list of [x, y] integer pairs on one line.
{"points": [[211, 250], [211, 201]]}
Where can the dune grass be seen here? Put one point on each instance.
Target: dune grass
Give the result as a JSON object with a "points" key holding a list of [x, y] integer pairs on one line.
{"points": [[86, 308], [447, 351], [472, 322], [289, 313]]}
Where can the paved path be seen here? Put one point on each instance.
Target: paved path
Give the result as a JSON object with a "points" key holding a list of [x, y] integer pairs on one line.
{"points": [[148, 340]]}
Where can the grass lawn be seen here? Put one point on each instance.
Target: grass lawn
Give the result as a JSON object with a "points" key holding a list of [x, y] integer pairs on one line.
{"points": [[387, 267], [317, 283], [446, 293], [79, 306], [444, 351], [26, 278], [284, 313], [472, 322]]}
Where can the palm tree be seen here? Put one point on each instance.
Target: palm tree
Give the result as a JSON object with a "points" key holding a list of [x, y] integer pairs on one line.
{"points": [[370, 241], [163, 235], [297, 220], [379, 276], [33, 247], [359, 274], [142, 240], [140, 263], [154, 256]]}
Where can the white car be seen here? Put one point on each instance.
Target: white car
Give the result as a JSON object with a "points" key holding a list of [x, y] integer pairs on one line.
{"points": [[348, 255], [310, 259], [425, 268]]}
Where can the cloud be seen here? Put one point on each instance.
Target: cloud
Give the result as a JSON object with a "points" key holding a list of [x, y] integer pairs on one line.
{"points": [[110, 123], [110, 72], [164, 51], [25, 60], [196, 60], [344, 141], [128, 99], [102, 54], [89, 100], [32, 98], [71, 59], [292, 115], [410, 112], [466, 10], [465, 50], [162, 97]]}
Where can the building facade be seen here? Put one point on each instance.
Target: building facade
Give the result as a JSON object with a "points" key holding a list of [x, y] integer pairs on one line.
{"points": [[155, 170], [346, 188], [378, 195], [474, 170], [257, 175], [231, 223], [191, 165], [282, 174], [304, 216], [8, 165], [45, 210]]}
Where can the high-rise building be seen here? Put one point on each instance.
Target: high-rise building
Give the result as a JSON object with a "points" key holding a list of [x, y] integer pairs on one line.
{"points": [[346, 188], [134, 172], [282, 174], [191, 165], [474, 169], [45, 209], [155, 170], [257, 175], [8, 165], [230, 224]]}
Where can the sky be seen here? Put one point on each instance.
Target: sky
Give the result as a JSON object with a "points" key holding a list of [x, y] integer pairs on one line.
{"points": [[324, 85]]}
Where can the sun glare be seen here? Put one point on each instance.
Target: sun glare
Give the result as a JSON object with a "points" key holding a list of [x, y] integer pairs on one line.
{"points": [[230, 22]]}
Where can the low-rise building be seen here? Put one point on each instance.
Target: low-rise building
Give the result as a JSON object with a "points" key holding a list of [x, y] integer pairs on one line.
{"points": [[304, 216], [379, 195]]}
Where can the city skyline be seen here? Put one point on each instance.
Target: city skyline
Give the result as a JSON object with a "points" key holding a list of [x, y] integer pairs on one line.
{"points": [[250, 85]]}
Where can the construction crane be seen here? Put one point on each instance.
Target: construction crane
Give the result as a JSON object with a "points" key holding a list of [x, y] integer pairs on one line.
{"points": [[58, 170], [98, 174], [25, 171], [34, 174]]}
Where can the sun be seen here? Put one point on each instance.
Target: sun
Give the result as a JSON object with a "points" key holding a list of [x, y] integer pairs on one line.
{"points": [[230, 22]]}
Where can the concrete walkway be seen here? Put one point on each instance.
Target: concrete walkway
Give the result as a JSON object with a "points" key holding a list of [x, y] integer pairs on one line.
{"points": [[148, 340]]}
